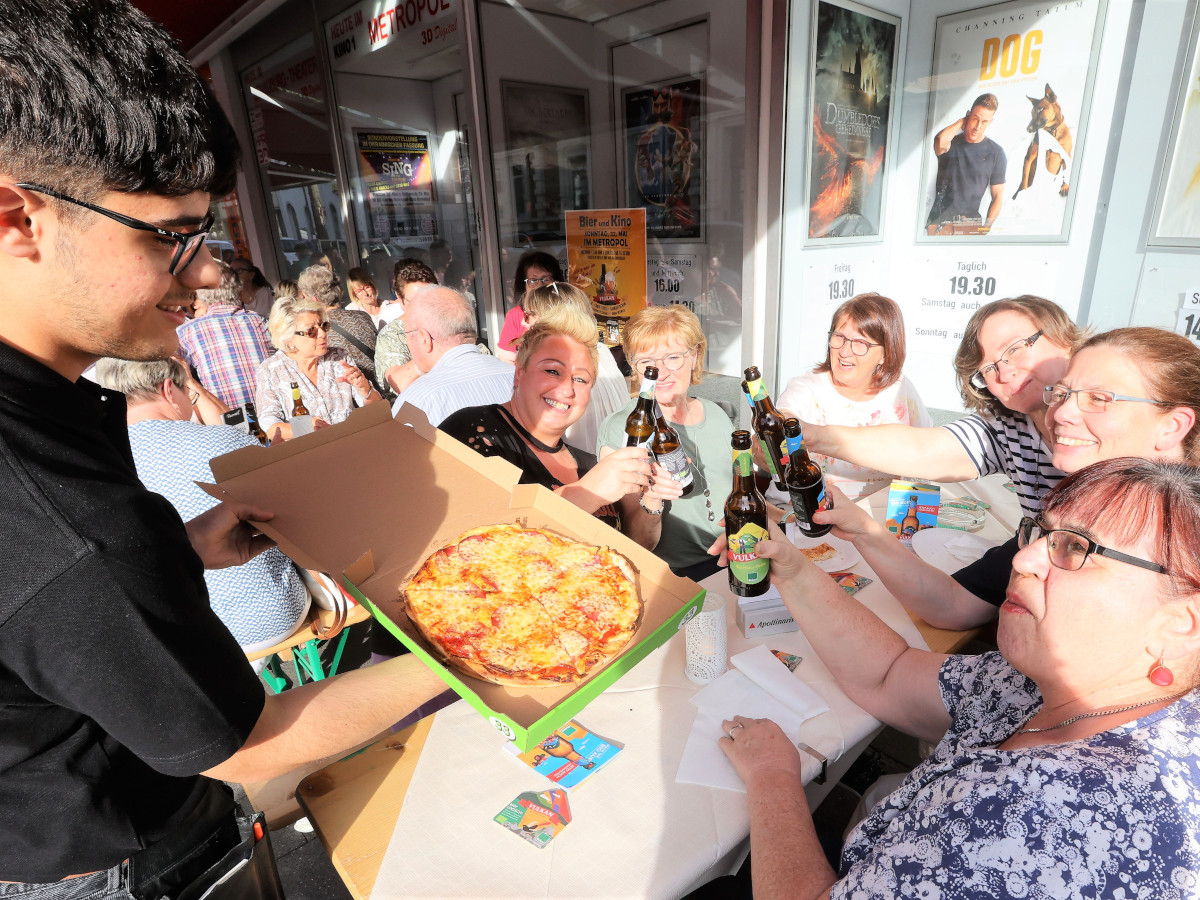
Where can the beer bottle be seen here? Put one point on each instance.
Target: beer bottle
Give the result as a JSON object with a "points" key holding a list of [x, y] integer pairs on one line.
{"points": [[750, 400], [301, 418], [745, 524], [911, 524], [669, 452], [768, 425], [639, 427], [255, 429], [805, 483], [298, 407]]}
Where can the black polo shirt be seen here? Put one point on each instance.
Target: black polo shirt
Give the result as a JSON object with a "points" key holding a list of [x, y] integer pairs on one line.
{"points": [[117, 681], [987, 577]]}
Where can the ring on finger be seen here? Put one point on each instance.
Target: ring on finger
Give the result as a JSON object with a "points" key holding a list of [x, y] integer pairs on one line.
{"points": [[735, 728]]}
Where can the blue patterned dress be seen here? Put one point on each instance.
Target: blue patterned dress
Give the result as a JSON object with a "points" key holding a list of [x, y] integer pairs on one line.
{"points": [[1115, 815]]}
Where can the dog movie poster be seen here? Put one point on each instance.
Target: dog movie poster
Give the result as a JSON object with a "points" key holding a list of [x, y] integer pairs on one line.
{"points": [[1007, 112], [854, 57], [664, 172]]}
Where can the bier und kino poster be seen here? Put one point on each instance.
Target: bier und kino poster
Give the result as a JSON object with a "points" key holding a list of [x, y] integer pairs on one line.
{"points": [[854, 60]]}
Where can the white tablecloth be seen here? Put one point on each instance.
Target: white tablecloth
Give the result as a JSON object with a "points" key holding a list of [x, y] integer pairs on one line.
{"points": [[635, 832]]}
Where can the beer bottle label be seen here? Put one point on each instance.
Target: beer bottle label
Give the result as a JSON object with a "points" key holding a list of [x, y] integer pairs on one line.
{"points": [[794, 444], [647, 388], [676, 464], [756, 389], [743, 462], [744, 563]]}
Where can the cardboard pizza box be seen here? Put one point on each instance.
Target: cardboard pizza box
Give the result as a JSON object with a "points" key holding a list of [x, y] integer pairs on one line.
{"points": [[371, 498]]}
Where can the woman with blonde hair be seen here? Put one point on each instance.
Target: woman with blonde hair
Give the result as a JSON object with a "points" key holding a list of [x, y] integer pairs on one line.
{"points": [[610, 391], [555, 371], [670, 338]]}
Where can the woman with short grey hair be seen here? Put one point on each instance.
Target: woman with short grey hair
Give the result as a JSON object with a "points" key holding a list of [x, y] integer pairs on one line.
{"points": [[330, 384]]}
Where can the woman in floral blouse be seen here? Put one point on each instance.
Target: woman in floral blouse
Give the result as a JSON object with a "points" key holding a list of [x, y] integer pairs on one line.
{"points": [[1068, 762], [330, 384]]}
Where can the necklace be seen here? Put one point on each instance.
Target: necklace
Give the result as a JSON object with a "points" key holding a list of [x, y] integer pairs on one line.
{"points": [[521, 430], [1101, 712], [698, 472]]}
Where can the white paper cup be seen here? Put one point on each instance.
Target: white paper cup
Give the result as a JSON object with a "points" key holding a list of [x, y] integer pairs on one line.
{"points": [[706, 637], [301, 425]]}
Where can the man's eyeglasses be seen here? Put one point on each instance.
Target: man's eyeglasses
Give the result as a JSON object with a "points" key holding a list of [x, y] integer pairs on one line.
{"points": [[194, 396], [992, 370], [187, 243], [672, 362], [1089, 401], [858, 346], [538, 282], [312, 331], [1069, 549]]}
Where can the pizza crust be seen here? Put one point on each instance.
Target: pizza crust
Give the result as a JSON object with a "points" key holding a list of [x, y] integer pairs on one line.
{"points": [[819, 553], [524, 606]]}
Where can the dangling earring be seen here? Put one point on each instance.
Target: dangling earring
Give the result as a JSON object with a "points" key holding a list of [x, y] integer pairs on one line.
{"points": [[1160, 674]]}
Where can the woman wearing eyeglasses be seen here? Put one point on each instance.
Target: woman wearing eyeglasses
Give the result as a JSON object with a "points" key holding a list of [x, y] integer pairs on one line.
{"points": [[330, 384], [1126, 392], [535, 269], [861, 382], [1068, 763], [670, 338]]}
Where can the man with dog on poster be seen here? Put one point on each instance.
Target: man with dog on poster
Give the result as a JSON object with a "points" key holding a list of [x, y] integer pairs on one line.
{"points": [[970, 165]]}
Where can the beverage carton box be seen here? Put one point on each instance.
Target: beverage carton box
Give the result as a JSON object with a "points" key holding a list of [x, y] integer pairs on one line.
{"points": [[767, 617], [370, 499], [912, 507]]}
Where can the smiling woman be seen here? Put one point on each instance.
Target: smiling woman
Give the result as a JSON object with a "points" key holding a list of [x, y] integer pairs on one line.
{"points": [[555, 371]]}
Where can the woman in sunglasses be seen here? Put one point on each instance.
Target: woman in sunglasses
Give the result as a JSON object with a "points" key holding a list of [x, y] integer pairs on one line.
{"points": [[671, 339], [1068, 763], [861, 382], [330, 384]]}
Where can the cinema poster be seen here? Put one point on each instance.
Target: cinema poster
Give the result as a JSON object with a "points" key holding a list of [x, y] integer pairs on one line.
{"points": [[606, 259], [1177, 214], [1010, 93], [853, 73], [664, 163], [397, 184]]}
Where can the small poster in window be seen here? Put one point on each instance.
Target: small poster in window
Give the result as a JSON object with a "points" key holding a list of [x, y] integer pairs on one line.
{"points": [[664, 165], [397, 185], [606, 259]]}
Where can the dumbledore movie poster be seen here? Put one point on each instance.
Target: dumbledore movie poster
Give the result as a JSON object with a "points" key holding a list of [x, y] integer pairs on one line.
{"points": [[854, 53]]}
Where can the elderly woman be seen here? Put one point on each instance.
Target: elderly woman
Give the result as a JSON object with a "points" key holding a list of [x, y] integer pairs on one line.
{"points": [[330, 385], [670, 338], [349, 330], [610, 391], [555, 371], [535, 269], [861, 382], [1127, 392], [261, 602], [1068, 762]]}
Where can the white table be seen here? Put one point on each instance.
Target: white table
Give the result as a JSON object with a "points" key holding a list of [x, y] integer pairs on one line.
{"points": [[635, 832]]}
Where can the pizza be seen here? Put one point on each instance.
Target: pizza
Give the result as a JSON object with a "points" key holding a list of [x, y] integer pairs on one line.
{"points": [[819, 553], [524, 606]]}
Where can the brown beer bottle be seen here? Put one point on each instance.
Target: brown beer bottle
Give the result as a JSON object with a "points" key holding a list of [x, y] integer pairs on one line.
{"points": [[669, 452], [745, 524], [911, 524], [639, 427], [805, 483], [252, 425], [298, 407], [768, 425]]}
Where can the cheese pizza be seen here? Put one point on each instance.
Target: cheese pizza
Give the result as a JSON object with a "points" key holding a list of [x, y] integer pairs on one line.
{"points": [[524, 606]]}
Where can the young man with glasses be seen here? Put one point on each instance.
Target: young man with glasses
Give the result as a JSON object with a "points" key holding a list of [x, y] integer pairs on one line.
{"points": [[120, 686]]}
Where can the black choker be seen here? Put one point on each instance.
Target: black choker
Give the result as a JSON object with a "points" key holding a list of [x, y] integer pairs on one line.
{"points": [[545, 448]]}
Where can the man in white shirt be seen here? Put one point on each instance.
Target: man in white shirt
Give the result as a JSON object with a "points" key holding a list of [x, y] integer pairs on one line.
{"points": [[440, 327]]}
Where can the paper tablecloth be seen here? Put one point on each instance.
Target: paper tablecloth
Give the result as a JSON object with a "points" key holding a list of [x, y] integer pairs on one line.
{"points": [[635, 832]]}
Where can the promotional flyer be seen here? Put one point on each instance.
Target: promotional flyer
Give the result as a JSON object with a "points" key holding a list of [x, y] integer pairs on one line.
{"points": [[397, 183], [606, 259]]}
